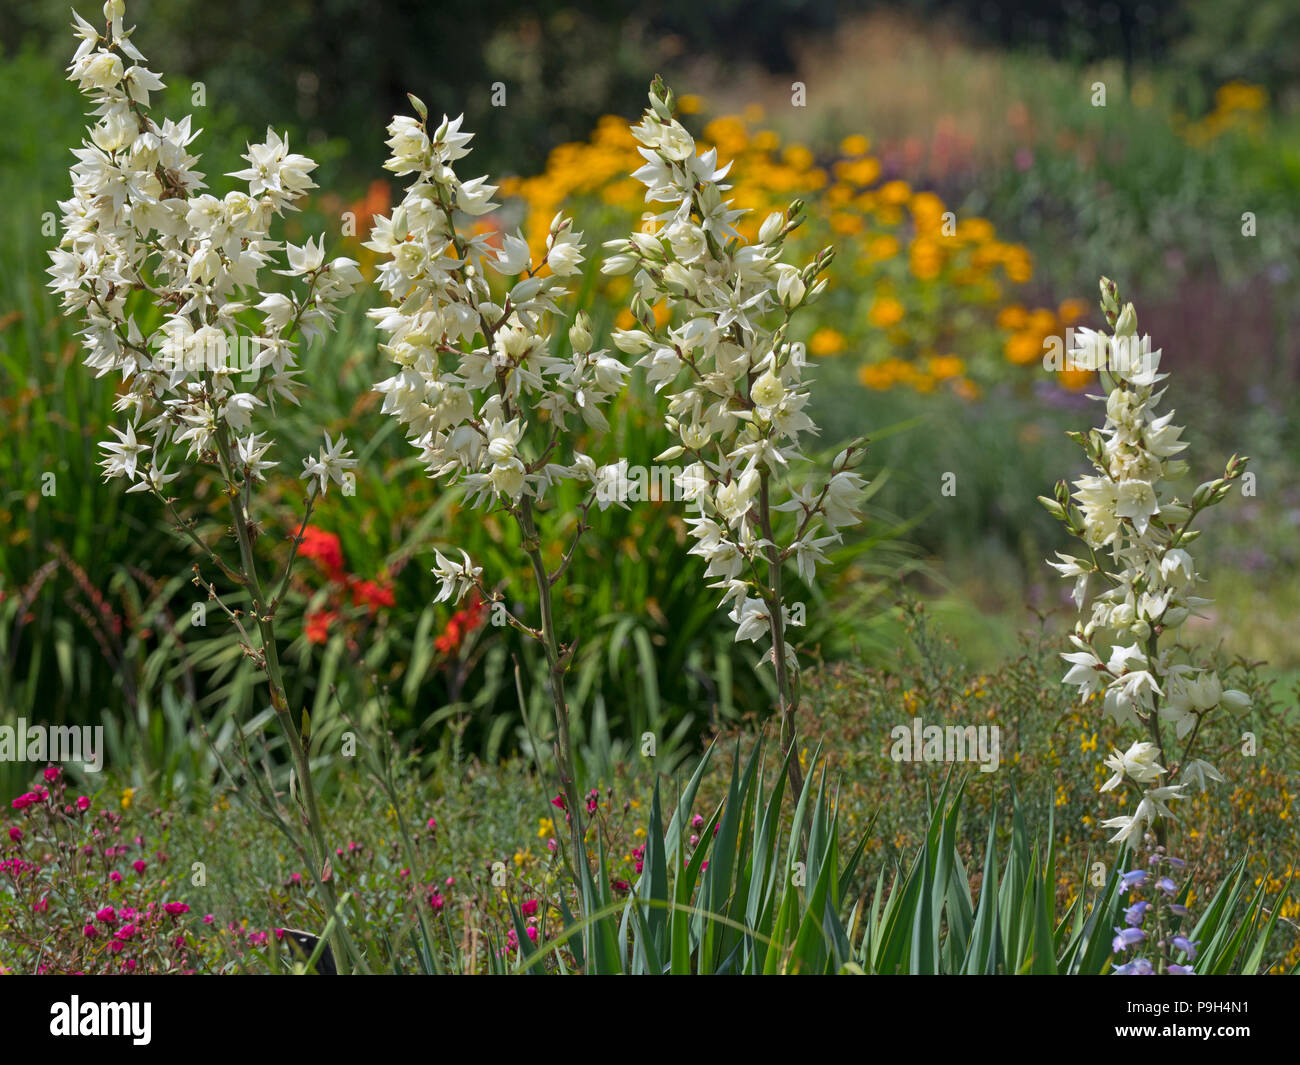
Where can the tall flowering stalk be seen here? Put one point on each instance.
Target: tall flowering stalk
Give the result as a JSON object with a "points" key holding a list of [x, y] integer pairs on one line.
{"points": [[737, 405], [140, 236], [1136, 581], [477, 387]]}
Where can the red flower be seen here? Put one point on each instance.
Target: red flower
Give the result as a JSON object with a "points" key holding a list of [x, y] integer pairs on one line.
{"points": [[462, 623], [372, 594], [318, 625], [324, 548]]}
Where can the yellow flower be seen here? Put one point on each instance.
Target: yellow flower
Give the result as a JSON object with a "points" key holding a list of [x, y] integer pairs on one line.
{"points": [[1023, 348], [858, 171], [826, 341], [855, 144], [1071, 310], [545, 828], [797, 156], [689, 104], [877, 377], [946, 366], [896, 193], [885, 311], [1088, 744], [882, 248], [127, 795], [976, 230]]}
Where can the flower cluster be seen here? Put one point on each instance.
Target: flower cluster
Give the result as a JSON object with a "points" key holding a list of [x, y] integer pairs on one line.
{"points": [[1135, 531], [740, 414], [139, 223], [475, 368], [325, 550], [78, 894], [1151, 925]]}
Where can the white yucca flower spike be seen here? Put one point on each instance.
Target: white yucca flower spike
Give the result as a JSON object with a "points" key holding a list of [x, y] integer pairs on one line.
{"points": [[483, 385], [737, 395], [140, 221], [141, 226], [1136, 581]]}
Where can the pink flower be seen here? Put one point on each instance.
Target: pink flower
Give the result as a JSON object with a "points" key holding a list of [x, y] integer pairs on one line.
{"points": [[106, 916], [138, 865], [129, 963], [16, 834], [532, 933], [83, 803], [51, 774], [697, 821], [436, 902], [41, 905], [558, 802], [175, 908], [115, 876], [125, 932], [433, 824], [208, 918], [529, 908], [89, 931]]}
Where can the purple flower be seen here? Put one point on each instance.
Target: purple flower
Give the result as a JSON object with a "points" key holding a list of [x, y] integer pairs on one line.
{"points": [[1135, 913], [1166, 885], [1125, 938], [1181, 970], [1134, 879], [1137, 967], [1186, 946]]}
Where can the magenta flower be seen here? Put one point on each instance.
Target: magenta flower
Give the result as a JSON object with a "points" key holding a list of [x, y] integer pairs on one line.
{"points": [[436, 901], [175, 908], [83, 803], [51, 774], [115, 876], [106, 916], [16, 834], [529, 908], [138, 865], [89, 931]]}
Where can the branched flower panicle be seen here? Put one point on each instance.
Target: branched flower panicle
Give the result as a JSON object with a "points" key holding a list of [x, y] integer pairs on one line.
{"points": [[477, 388], [140, 229], [1137, 577], [738, 398]]}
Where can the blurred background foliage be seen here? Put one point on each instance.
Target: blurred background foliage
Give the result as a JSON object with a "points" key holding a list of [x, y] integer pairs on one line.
{"points": [[928, 342]]}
